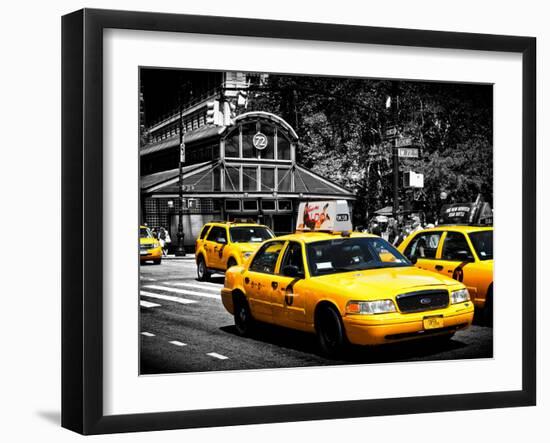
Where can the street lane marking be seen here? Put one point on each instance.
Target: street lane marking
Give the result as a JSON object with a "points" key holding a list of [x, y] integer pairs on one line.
{"points": [[178, 343], [148, 279], [194, 285], [183, 301], [148, 304], [181, 291], [147, 334], [216, 355]]}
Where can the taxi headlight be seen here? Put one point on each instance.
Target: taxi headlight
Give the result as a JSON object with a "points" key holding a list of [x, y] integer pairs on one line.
{"points": [[370, 307], [460, 296]]}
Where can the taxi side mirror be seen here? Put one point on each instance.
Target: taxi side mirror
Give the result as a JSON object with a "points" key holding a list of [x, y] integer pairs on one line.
{"points": [[221, 240], [292, 271], [413, 259]]}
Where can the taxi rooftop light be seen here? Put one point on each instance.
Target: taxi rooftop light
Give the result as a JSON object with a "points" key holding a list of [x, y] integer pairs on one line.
{"points": [[324, 216]]}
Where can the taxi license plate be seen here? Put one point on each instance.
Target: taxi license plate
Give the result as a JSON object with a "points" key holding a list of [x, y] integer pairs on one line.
{"points": [[433, 322]]}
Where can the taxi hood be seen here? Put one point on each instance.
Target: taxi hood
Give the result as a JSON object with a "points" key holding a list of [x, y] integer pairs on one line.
{"points": [[247, 247], [385, 282]]}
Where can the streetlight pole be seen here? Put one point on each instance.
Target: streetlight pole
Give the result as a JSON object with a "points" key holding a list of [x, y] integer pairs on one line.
{"points": [[395, 153], [180, 249]]}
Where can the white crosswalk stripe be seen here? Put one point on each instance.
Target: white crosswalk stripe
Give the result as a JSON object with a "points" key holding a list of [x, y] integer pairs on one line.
{"points": [[178, 343], [148, 304], [182, 291], [147, 334], [197, 285], [183, 301], [218, 356]]}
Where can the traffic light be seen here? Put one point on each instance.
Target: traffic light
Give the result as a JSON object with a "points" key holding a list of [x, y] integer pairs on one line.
{"points": [[213, 113]]}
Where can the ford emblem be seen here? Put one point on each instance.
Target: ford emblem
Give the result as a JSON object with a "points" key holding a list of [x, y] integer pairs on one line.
{"points": [[425, 301]]}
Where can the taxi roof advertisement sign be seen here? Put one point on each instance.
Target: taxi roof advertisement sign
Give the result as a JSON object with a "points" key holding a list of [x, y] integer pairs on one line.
{"points": [[329, 215]]}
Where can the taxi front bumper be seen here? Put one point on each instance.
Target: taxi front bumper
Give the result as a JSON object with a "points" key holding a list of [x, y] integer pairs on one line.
{"points": [[150, 254], [391, 328]]}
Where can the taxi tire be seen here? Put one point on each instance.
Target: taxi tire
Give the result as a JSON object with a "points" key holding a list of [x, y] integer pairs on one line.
{"points": [[244, 323], [203, 274], [330, 332], [157, 262]]}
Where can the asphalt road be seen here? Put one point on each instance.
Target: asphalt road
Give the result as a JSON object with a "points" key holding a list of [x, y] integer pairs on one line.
{"points": [[185, 328]]}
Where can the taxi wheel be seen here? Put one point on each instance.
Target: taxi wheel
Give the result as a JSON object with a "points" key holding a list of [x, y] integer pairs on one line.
{"points": [[202, 271], [243, 318], [157, 262], [330, 332], [231, 262]]}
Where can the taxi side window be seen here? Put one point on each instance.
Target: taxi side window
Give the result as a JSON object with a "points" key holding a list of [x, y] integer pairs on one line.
{"points": [[217, 234], [456, 248], [424, 245], [266, 258], [204, 231], [293, 262]]}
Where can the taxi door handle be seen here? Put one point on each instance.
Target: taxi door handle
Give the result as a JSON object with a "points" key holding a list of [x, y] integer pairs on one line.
{"points": [[438, 267], [274, 284]]}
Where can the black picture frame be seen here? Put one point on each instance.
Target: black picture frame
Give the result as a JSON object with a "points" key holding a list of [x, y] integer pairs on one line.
{"points": [[82, 215]]}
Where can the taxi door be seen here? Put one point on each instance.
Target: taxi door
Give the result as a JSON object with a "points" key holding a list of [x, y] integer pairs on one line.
{"points": [[288, 294], [215, 243], [456, 260], [258, 279], [424, 248]]}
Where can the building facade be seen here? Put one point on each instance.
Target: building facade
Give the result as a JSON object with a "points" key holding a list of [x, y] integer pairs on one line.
{"points": [[246, 169]]}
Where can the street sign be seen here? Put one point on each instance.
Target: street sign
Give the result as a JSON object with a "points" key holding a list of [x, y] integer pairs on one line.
{"points": [[404, 141], [391, 131], [259, 141], [412, 179], [408, 152]]}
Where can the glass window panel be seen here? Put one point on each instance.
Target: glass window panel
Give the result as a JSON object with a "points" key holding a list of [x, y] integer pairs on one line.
{"points": [[269, 131], [232, 144], [268, 205], [232, 205], [268, 179], [284, 180], [231, 179], [250, 180], [283, 147], [250, 205], [285, 205], [217, 185], [249, 130]]}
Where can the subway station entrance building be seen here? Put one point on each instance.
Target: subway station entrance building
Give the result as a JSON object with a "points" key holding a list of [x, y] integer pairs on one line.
{"points": [[244, 171]]}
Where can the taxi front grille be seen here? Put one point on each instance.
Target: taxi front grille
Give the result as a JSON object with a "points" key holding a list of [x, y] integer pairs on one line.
{"points": [[423, 300]]}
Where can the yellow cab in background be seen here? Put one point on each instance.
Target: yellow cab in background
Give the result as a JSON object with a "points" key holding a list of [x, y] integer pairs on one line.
{"points": [[149, 246], [464, 253], [221, 245], [346, 287]]}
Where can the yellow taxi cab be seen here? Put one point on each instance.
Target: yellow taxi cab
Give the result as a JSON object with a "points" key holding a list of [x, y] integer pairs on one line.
{"points": [[462, 252], [221, 245], [149, 246], [345, 287]]}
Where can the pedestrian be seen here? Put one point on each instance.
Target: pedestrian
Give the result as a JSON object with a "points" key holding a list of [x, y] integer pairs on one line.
{"points": [[162, 239], [167, 242]]}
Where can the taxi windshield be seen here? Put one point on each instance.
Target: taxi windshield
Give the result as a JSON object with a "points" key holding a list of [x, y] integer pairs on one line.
{"points": [[249, 234], [352, 254], [483, 244], [145, 233]]}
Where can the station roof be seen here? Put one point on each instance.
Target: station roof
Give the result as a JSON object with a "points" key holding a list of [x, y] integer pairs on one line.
{"points": [[199, 180], [203, 133]]}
